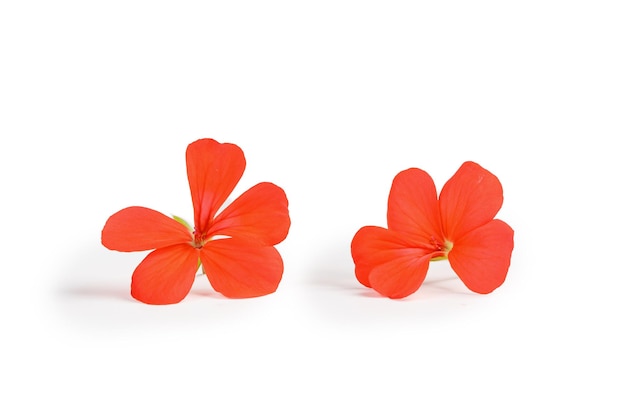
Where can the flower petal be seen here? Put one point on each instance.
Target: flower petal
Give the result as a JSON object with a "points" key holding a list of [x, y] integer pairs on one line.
{"points": [[469, 199], [166, 275], [373, 247], [413, 207], [481, 258], [261, 213], [240, 268], [139, 228], [213, 170], [401, 276]]}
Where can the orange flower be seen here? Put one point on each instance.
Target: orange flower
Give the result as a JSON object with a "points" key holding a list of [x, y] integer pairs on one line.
{"points": [[459, 226], [235, 247]]}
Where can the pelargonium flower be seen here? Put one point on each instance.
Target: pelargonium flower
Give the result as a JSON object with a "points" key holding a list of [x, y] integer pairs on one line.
{"points": [[235, 246], [458, 226]]}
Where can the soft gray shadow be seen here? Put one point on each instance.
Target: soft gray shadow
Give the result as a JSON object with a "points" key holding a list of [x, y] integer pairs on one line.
{"points": [[334, 269], [96, 272], [435, 287], [92, 294], [99, 273], [342, 300], [369, 293], [441, 279], [201, 280], [95, 291]]}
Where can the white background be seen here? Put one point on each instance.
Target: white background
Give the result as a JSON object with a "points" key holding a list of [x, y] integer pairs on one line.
{"points": [[329, 100]]}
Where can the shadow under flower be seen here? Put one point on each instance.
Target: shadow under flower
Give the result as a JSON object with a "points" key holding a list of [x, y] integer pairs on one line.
{"points": [[202, 288], [97, 273], [95, 291], [432, 287], [335, 270], [338, 298], [92, 294]]}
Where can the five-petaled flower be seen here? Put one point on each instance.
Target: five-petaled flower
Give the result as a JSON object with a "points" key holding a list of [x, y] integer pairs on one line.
{"points": [[235, 246], [458, 226]]}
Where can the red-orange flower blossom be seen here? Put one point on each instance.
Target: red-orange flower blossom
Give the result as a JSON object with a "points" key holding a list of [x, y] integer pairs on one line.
{"points": [[458, 226], [235, 246]]}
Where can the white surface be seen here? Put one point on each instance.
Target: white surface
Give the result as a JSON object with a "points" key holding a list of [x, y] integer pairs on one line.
{"points": [[328, 100]]}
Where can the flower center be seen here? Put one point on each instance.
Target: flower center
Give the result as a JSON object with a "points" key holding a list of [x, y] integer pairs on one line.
{"points": [[444, 248], [436, 243], [199, 239]]}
